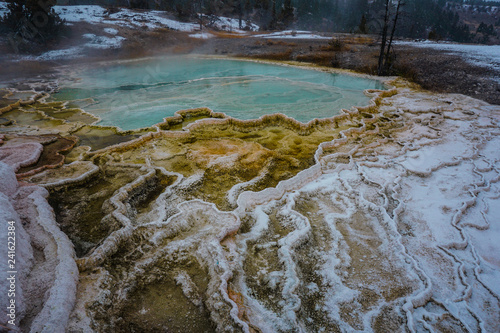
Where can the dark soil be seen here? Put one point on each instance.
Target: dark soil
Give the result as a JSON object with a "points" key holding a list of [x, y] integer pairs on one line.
{"points": [[442, 72]]}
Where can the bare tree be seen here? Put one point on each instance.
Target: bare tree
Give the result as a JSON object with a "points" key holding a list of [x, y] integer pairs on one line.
{"points": [[200, 13], [385, 28], [386, 48], [394, 25], [239, 8]]}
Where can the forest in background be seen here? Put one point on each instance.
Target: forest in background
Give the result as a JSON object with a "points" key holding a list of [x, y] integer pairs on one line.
{"points": [[460, 21]]}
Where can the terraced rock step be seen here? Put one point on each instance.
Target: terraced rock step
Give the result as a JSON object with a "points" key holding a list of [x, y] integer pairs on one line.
{"points": [[381, 219]]}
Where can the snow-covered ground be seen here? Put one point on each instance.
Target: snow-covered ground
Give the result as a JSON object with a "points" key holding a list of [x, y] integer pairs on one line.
{"points": [[103, 42], [90, 14], [233, 25], [125, 17], [111, 31], [150, 19], [292, 34], [128, 18], [482, 55], [69, 53], [94, 42]]}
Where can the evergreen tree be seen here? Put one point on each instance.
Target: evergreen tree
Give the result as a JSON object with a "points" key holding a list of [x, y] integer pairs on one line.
{"points": [[485, 29], [31, 23], [141, 4], [363, 28], [274, 17], [15, 13], [287, 13], [239, 10]]}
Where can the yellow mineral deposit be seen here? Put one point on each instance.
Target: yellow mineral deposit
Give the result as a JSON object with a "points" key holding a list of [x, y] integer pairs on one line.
{"points": [[205, 222]]}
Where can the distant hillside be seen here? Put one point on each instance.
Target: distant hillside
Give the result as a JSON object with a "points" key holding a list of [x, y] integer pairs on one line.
{"points": [[483, 19]]}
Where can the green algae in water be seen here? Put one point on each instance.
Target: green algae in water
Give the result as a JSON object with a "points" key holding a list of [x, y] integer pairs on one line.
{"points": [[141, 93]]}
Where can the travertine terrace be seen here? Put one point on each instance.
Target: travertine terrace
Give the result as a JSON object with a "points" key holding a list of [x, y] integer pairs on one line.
{"points": [[381, 219]]}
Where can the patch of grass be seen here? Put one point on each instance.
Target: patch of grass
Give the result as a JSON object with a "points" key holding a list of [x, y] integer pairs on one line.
{"points": [[320, 58], [270, 42], [368, 69], [406, 70], [360, 40], [158, 32], [336, 44], [225, 34], [286, 55]]}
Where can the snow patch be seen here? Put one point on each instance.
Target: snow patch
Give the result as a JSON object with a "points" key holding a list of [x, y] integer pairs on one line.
{"points": [[231, 24], [89, 14], [70, 53], [103, 42], [292, 34], [125, 17], [202, 35], [111, 31], [75, 52], [152, 19], [483, 55]]}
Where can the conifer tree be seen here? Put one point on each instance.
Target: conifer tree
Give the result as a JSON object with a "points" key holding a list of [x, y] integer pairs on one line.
{"points": [[287, 13], [30, 23], [274, 17]]}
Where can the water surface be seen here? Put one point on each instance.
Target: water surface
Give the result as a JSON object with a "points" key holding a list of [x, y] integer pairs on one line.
{"points": [[141, 93]]}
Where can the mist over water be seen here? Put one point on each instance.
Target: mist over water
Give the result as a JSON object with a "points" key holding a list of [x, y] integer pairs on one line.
{"points": [[141, 93]]}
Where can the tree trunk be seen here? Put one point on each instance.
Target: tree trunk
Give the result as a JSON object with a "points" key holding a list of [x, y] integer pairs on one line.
{"points": [[384, 39], [240, 14], [200, 14], [387, 55]]}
